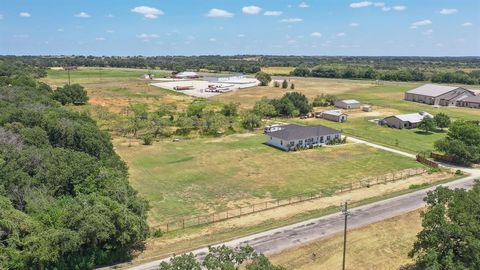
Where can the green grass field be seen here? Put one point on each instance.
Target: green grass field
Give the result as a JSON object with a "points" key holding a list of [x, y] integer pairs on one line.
{"points": [[200, 175], [387, 100], [83, 75]]}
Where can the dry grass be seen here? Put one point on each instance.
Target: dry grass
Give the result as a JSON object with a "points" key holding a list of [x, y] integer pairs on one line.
{"points": [[382, 245], [310, 87], [278, 70]]}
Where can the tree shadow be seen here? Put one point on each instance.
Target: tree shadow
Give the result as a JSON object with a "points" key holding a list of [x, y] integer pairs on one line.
{"points": [[421, 132]]}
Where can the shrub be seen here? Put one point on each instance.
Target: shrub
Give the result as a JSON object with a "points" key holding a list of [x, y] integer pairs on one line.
{"points": [[147, 139]]}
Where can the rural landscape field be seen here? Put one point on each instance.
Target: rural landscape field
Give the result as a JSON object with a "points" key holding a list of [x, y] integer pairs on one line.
{"points": [[228, 135]]}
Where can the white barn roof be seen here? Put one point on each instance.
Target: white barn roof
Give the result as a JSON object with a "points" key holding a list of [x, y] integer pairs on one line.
{"points": [[432, 90], [187, 74], [334, 112], [413, 117], [350, 101]]}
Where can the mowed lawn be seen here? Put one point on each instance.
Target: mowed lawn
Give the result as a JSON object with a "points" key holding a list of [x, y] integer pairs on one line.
{"points": [[386, 99], [203, 175], [382, 245]]}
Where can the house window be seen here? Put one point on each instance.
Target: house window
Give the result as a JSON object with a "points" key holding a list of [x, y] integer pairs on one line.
{"points": [[281, 142]]}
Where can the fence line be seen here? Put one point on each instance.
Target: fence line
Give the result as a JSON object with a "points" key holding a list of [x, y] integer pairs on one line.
{"points": [[186, 222]]}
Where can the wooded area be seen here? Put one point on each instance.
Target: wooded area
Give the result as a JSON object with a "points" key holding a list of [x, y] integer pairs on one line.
{"points": [[65, 199]]}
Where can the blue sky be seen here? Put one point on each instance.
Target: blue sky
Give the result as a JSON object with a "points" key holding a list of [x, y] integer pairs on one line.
{"points": [[226, 27]]}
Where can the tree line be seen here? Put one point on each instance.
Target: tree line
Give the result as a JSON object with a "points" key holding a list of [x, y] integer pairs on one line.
{"points": [[65, 199], [396, 74]]}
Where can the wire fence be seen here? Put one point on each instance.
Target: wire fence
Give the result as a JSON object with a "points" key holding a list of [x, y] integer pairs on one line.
{"points": [[187, 222]]}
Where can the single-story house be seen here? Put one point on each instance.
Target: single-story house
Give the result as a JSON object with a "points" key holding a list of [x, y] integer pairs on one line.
{"points": [[294, 136], [347, 104], [441, 95], [334, 115], [470, 102], [186, 75], [405, 120]]}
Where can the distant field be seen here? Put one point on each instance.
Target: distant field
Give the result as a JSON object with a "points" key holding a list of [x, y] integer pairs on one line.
{"points": [[203, 175], [278, 70], [111, 90], [311, 87], [382, 245]]}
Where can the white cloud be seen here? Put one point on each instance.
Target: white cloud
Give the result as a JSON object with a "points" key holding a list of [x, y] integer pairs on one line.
{"points": [[292, 20], [303, 5], [341, 34], [148, 12], [467, 24], [361, 4], [1, 16], [316, 34], [421, 23], [448, 11], [82, 15], [110, 31], [385, 8], [147, 37], [219, 13], [25, 14], [100, 39], [272, 13], [212, 39], [60, 30], [110, 15], [354, 24], [399, 8], [379, 4], [241, 35], [251, 10]]}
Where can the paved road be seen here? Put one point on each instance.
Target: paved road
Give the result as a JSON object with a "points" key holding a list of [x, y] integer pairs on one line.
{"points": [[276, 240]]}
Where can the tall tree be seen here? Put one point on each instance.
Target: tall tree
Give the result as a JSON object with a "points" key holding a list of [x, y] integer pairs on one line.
{"points": [[427, 124], [462, 142], [442, 120], [450, 238], [264, 78]]}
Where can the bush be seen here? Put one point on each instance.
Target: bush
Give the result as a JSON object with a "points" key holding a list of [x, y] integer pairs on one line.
{"points": [[71, 94], [147, 139]]}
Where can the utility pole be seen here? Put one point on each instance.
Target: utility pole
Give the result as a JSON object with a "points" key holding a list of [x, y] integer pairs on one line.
{"points": [[68, 70], [346, 214]]}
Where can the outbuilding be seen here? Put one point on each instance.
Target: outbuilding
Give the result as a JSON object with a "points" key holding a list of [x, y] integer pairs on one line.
{"points": [[334, 115], [291, 137], [470, 102], [347, 104], [407, 121], [439, 95], [186, 75]]}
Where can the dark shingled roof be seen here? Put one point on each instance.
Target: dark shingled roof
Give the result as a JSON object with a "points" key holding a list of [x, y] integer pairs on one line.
{"points": [[296, 132]]}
